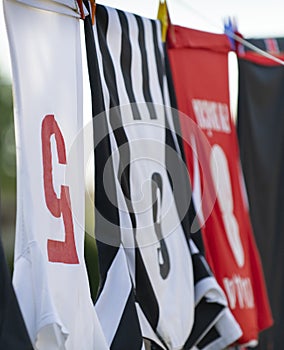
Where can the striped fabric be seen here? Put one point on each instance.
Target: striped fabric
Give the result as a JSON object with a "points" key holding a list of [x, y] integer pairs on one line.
{"points": [[153, 281], [209, 332]]}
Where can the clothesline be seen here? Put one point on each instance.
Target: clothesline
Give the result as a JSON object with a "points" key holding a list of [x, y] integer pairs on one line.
{"points": [[236, 37], [255, 48]]}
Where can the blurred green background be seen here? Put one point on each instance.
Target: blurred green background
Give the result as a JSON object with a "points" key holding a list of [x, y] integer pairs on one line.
{"points": [[7, 168], [8, 189]]}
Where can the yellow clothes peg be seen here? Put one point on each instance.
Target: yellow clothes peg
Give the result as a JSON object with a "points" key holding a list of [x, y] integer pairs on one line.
{"points": [[93, 10], [163, 16]]}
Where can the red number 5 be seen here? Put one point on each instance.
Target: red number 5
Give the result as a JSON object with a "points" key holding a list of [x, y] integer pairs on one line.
{"points": [[58, 251]]}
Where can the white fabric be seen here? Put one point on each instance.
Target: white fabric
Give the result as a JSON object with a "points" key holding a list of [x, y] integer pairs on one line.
{"points": [[111, 302], [147, 330], [47, 79], [65, 7], [225, 324], [228, 328], [146, 139]]}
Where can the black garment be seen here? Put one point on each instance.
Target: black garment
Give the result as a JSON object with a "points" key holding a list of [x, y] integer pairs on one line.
{"points": [[13, 332], [261, 140]]}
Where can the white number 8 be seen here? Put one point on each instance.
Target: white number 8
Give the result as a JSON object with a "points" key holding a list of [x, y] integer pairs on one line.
{"points": [[222, 182]]}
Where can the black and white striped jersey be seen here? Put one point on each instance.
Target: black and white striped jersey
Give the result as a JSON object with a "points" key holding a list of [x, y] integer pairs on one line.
{"points": [[142, 195]]}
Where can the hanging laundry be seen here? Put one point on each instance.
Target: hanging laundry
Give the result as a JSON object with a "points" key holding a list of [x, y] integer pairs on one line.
{"points": [[142, 196], [223, 330], [199, 63], [260, 132], [13, 332], [50, 277]]}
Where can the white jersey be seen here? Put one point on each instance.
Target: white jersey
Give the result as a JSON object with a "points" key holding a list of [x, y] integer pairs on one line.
{"points": [[50, 277]]}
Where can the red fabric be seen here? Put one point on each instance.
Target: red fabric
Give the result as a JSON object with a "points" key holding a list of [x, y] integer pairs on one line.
{"points": [[262, 60], [199, 65]]}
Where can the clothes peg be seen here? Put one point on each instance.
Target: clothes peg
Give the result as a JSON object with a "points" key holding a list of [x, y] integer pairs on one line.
{"points": [[235, 36], [93, 10], [229, 29], [81, 8], [163, 16]]}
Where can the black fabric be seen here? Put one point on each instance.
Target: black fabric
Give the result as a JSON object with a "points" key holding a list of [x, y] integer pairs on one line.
{"points": [[13, 332], [106, 214], [211, 336], [263, 43], [124, 339], [145, 72], [108, 238], [145, 295], [203, 322], [126, 63], [261, 139], [201, 269]]}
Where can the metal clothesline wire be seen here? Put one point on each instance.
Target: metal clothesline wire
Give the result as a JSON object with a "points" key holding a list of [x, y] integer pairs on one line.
{"points": [[233, 35], [255, 48]]}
